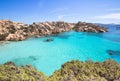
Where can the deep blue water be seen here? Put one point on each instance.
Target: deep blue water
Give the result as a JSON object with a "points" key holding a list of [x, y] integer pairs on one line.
{"points": [[49, 56]]}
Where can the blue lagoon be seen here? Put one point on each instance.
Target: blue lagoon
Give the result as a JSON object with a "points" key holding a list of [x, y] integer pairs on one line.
{"points": [[49, 56]]}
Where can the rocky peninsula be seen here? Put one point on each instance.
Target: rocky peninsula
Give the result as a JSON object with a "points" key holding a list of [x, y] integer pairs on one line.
{"points": [[16, 31], [75, 70]]}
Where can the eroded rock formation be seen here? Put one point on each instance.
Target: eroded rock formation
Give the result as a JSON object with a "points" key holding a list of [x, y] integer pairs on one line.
{"points": [[89, 27], [15, 31], [12, 31]]}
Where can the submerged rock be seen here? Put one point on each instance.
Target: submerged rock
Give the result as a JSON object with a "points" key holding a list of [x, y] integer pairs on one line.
{"points": [[48, 40], [112, 52], [33, 57]]}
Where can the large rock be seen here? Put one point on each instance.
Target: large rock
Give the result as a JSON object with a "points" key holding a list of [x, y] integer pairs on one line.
{"points": [[12, 31], [89, 27], [15, 37], [47, 28]]}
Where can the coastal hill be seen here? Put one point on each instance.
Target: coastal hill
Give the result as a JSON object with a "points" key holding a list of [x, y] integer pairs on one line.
{"points": [[16, 31], [71, 71]]}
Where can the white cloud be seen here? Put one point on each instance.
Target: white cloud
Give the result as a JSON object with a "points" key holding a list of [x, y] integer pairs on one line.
{"points": [[109, 16]]}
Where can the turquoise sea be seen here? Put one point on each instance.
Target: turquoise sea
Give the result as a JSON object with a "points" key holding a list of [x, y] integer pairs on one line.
{"points": [[49, 56]]}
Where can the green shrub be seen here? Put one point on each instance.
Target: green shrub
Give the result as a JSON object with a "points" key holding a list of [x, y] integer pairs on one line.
{"points": [[71, 71]]}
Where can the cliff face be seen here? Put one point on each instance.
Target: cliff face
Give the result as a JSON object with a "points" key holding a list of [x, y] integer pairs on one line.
{"points": [[15, 31]]}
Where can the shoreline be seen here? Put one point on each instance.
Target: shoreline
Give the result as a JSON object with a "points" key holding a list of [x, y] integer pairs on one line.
{"points": [[1, 42], [15, 31]]}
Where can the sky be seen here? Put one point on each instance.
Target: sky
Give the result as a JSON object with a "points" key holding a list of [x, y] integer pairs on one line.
{"points": [[29, 11]]}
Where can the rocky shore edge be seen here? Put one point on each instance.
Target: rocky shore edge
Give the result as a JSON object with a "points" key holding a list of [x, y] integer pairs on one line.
{"points": [[16, 31], [75, 70]]}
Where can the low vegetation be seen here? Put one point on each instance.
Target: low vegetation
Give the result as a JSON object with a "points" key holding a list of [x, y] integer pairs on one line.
{"points": [[10, 72], [71, 71], [87, 71]]}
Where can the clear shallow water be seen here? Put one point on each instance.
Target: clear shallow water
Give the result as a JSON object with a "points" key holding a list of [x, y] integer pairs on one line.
{"points": [[49, 56]]}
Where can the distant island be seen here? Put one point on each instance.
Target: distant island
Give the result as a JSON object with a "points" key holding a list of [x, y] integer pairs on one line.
{"points": [[16, 31]]}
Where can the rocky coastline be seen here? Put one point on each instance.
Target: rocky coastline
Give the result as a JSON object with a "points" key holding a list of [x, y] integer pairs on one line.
{"points": [[16, 31]]}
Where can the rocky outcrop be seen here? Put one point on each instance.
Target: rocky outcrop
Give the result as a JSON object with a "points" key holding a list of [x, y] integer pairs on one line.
{"points": [[15, 31], [89, 27], [12, 31], [47, 28]]}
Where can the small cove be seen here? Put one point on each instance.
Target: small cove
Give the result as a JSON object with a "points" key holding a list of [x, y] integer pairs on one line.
{"points": [[49, 56]]}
